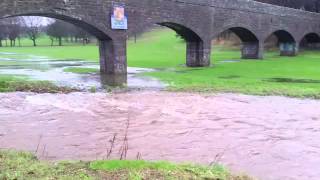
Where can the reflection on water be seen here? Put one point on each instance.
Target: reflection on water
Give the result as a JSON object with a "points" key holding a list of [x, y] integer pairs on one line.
{"points": [[44, 68]]}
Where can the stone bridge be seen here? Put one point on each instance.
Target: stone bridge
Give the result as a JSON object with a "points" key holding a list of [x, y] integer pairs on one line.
{"points": [[197, 21]]}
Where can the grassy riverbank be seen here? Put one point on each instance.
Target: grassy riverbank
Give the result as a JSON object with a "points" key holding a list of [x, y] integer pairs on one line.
{"points": [[21, 165], [297, 76], [11, 84], [161, 49]]}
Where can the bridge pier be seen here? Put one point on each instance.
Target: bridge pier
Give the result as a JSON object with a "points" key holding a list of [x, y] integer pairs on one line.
{"points": [[289, 49], [198, 53], [252, 50], [113, 57]]}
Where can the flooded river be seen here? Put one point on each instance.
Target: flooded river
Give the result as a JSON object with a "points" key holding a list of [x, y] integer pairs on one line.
{"points": [[272, 138]]}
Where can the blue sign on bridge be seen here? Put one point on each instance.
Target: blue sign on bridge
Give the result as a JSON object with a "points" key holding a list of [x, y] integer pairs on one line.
{"points": [[119, 19]]}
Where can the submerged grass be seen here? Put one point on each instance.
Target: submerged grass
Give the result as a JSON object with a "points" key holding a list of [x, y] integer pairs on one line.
{"points": [[79, 70], [22, 165]]}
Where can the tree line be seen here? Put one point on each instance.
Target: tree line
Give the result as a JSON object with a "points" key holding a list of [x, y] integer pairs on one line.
{"points": [[31, 27], [308, 5]]}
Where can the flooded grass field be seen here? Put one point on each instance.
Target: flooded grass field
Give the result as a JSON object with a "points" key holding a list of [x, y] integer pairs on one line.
{"points": [[162, 50], [42, 68]]}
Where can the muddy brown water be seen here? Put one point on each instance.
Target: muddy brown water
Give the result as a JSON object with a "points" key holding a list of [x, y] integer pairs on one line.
{"points": [[272, 138]]}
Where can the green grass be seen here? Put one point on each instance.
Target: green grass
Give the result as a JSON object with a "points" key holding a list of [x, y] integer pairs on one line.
{"points": [[296, 76], [10, 83], [161, 49], [22, 165]]}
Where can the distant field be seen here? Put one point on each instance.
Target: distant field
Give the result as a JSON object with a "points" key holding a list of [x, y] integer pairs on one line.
{"points": [[291, 76]]}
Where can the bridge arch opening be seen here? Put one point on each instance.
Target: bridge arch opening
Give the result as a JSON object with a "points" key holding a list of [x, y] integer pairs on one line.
{"points": [[170, 42], [112, 52], [310, 41], [99, 45], [284, 41], [197, 52], [245, 39]]}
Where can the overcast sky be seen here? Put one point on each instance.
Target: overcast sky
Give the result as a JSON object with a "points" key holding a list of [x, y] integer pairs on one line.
{"points": [[42, 20]]}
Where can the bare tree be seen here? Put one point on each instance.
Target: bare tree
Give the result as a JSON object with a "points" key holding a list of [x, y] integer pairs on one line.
{"points": [[57, 30], [3, 32], [82, 34], [14, 30], [33, 27], [60, 29]]}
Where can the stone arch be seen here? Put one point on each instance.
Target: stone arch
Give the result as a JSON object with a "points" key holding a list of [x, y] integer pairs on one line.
{"points": [[250, 44], [90, 28], [310, 40], [198, 50], [244, 34], [284, 36], [185, 32], [286, 42], [112, 50]]}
